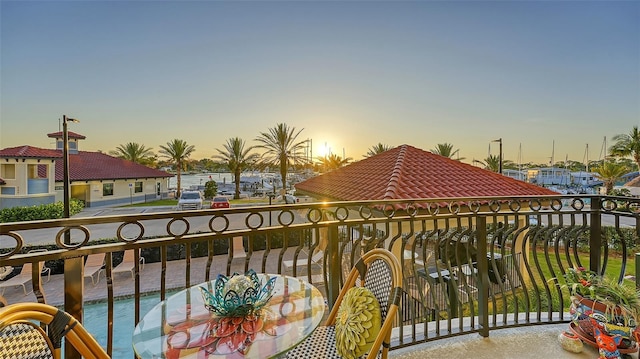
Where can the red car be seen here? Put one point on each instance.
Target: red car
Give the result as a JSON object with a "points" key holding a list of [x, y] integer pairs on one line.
{"points": [[220, 202]]}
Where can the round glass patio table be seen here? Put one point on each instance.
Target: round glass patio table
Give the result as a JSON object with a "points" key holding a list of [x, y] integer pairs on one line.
{"points": [[181, 327]]}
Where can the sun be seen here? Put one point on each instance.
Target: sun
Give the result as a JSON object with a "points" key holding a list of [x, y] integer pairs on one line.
{"points": [[324, 149]]}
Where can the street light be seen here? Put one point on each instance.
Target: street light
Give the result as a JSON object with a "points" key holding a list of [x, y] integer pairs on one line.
{"points": [[65, 170], [499, 140]]}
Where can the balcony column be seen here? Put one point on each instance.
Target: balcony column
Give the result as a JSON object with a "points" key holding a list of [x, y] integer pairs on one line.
{"points": [[483, 277], [334, 265], [595, 237]]}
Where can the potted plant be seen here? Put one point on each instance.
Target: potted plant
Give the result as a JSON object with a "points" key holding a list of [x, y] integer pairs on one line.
{"points": [[613, 307]]}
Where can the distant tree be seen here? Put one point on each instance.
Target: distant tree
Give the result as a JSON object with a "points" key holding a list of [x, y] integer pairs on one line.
{"points": [[610, 172], [237, 158], [627, 145], [332, 162], [446, 150], [508, 164], [377, 149], [177, 151], [282, 148], [208, 165], [573, 166], [491, 163], [135, 152]]}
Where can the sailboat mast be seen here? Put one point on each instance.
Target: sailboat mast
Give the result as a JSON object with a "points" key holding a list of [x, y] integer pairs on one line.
{"points": [[553, 152], [586, 156], [603, 150], [520, 176]]}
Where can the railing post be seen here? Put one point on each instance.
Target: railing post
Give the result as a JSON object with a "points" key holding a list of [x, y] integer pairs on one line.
{"points": [[73, 292], [333, 265], [595, 235], [483, 276]]}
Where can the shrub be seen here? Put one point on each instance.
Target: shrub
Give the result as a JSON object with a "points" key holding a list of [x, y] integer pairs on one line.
{"points": [[39, 212]]}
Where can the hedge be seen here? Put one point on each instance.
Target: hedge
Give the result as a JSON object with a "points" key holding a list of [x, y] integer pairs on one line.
{"points": [[39, 212]]}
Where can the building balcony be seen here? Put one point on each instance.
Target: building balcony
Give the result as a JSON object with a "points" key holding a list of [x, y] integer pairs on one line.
{"points": [[477, 273]]}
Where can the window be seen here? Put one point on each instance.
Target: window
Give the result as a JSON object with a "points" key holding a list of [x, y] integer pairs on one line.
{"points": [[8, 190], [37, 171], [107, 189], [138, 188], [8, 171]]}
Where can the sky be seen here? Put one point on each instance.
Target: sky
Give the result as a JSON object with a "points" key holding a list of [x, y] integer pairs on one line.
{"points": [[550, 78]]}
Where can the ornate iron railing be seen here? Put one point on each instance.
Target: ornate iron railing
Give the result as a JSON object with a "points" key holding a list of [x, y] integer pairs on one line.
{"points": [[469, 264]]}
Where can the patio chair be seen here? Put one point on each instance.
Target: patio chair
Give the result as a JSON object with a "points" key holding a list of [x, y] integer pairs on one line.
{"points": [[5, 271], [237, 250], [93, 266], [316, 258], [21, 334], [379, 271], [128, 264], [21, 279], [43, 269]]}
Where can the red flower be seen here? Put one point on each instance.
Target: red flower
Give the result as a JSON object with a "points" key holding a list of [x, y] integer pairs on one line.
{"points": [[220, 335]]}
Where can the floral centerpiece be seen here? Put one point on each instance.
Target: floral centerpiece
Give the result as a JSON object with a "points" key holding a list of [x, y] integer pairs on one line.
{"points": [[604, 303], [237, 296]]}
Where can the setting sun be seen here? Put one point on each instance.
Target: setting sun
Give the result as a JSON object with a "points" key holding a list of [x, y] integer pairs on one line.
{"points": [[324, 149]]}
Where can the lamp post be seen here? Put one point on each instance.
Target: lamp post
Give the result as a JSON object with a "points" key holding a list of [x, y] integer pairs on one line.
{"points": [[73, 267], [500, 159], [65, 170]]}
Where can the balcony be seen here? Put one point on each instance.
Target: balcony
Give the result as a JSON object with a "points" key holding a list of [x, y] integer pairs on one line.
{"points": [[480, 266]]}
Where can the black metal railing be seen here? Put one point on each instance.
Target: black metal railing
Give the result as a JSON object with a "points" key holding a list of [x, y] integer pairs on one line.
{"points": [[469, 264]]}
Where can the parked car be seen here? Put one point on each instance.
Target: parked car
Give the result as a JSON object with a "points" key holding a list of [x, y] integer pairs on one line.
{"points": [[220, 202], [190, 200]]}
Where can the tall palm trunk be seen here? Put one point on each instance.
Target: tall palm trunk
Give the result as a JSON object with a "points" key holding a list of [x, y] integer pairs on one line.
{"points": [[178, 175], [283, 174], [236, 180]]}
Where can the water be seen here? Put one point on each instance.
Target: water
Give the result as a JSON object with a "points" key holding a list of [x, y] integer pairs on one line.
{"points": [[193, 181], [188, 181], [95, 321]]}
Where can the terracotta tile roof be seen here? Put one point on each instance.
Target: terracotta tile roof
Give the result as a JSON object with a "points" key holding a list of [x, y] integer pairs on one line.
{"points": [[407, 172], [71, 134], [86, 166], [29, 152]]}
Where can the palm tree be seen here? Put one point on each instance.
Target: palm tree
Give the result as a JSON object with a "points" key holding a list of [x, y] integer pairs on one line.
{"points": [[134, 152], [609, 172], [177, 151], [237, 158], [333, 162], [627, 145], [282, 148], [446, 150], [377, 149], [491, 163]]}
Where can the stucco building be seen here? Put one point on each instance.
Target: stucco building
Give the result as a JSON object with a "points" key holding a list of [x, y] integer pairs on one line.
{"points": [[31, 176]]}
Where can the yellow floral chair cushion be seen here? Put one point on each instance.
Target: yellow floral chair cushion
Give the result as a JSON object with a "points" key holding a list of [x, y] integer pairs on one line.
{"points": [[358, 322]]}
